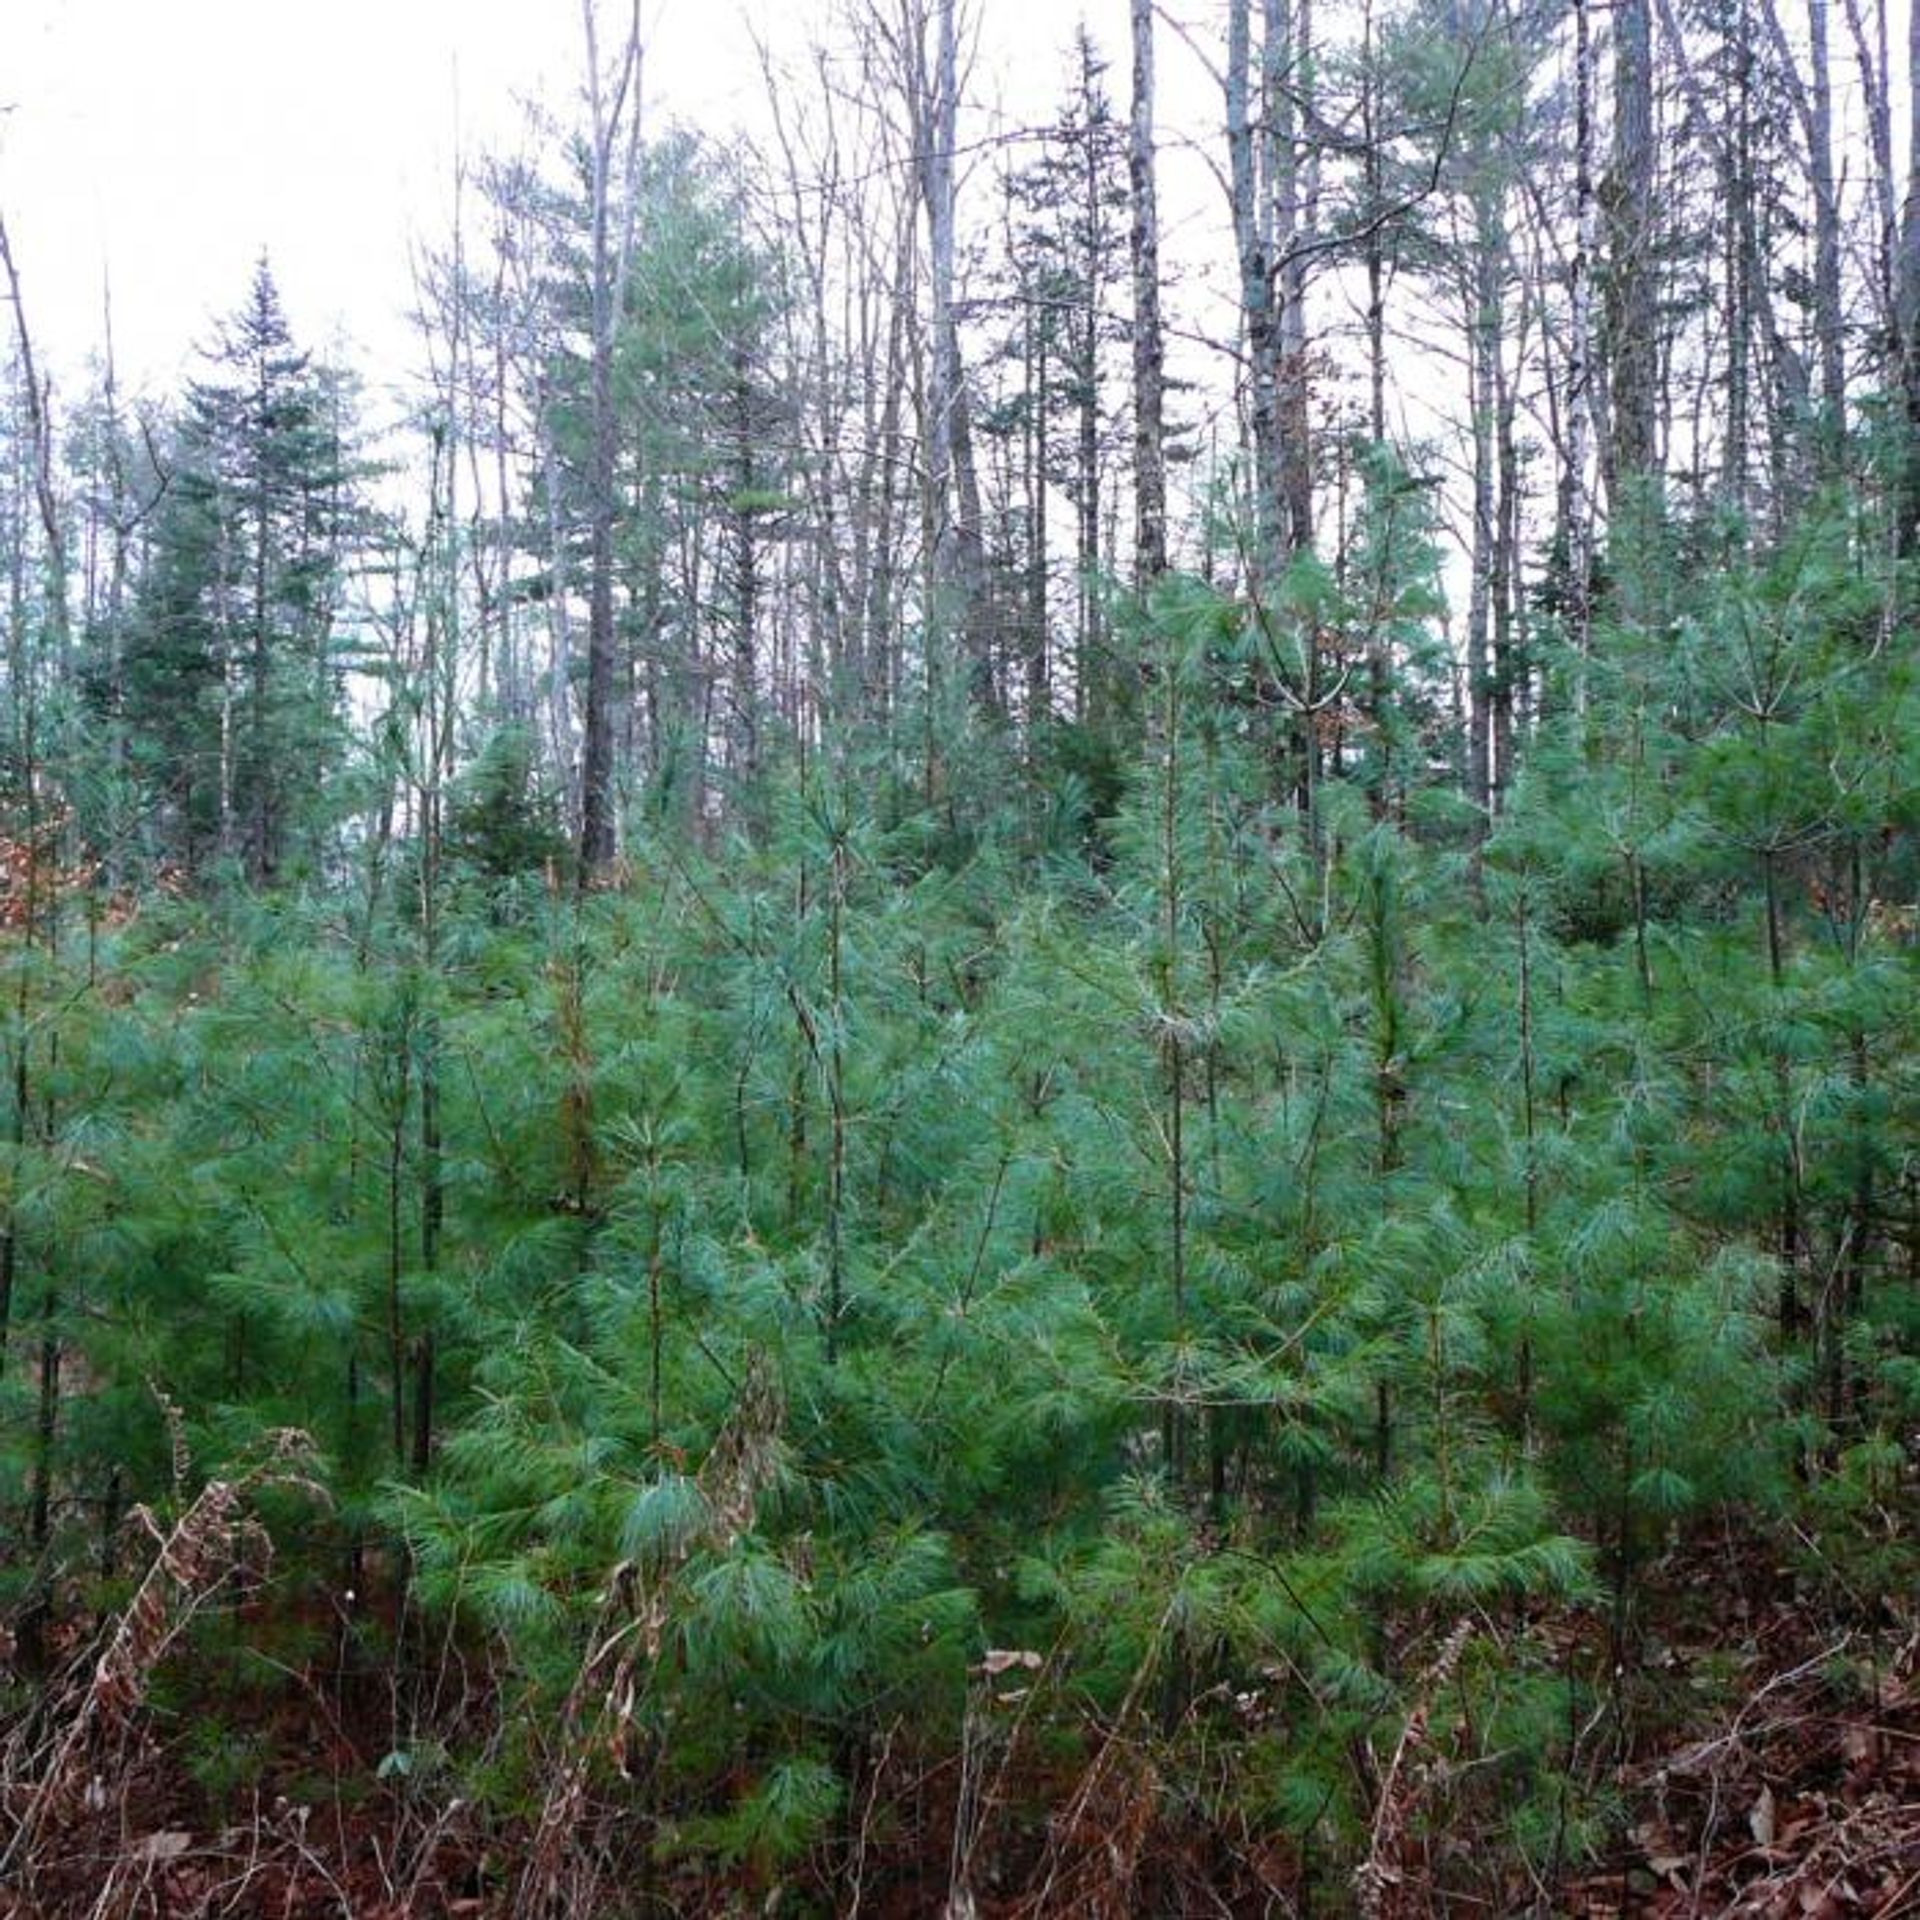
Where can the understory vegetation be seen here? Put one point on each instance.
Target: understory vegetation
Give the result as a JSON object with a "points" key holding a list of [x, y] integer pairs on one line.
{"points": [[747, 1168], [1047, 1331]]}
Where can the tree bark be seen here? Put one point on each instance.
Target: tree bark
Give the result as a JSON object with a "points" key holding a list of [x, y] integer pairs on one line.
{"points": [[1149, 345], [1252, 241], [1907, 303], [615, 109], [1484, 391], [1576, 501], [1827, 310], [1632, 340], [1288, 70], [953, 480]]}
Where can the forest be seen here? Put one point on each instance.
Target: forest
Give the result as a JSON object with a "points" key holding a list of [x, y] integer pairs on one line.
{"points": [[1027, 1026]]}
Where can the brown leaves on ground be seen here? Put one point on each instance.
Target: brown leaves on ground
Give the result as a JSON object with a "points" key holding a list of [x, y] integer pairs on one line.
{"points": [[292, 1862], [1794, 1796], [1803, 1804]]}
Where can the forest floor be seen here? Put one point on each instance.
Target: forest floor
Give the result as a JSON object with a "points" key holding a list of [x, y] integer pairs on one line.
{"points": [[1773, 1771], [1799, 1797]]}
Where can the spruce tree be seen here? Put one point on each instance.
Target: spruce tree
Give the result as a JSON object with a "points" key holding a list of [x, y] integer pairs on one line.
{"points": [[233, 676]]}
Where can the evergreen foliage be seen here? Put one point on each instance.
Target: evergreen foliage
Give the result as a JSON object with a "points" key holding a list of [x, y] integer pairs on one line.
{"points": [[1190, 1211]]}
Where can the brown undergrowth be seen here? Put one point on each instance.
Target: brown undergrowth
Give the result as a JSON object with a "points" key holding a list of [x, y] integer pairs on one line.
{"points": [[1763, 1747], [1797, 1796]]}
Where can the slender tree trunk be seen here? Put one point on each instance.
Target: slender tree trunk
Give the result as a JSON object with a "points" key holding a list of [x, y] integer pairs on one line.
{"points": [[746, 580], [1632, 335], [1039, 398], [616, 111], [440, 699], [1149, 346], [1288, 70], [836, 1074], [1872, 65], [1252, 238], [1736, 184], [1576, 500], [1907, 302], [125, 516], [26, 743], [396, 1244], [1827, 310], [1508, 669], [1529, 1127], [1086, 350], [956, 551], [259, 662], [1790, 1309], [1483, 349], [1739, 273], [1174, 1018], [16, 1123], [1373, 160], [967, 560]]}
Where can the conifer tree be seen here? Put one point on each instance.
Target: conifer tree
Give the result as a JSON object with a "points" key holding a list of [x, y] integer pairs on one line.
{"points": [[233, 679]]}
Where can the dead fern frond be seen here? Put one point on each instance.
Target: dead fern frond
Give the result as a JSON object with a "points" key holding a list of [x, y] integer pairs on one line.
{"points": [[1095, 1844], [214, 1540], [1379, 1882], [630, 1629], [177, 1441]]}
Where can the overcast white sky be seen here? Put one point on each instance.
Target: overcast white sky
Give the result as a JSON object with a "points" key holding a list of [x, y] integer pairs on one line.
{"points": [[168, 141]]}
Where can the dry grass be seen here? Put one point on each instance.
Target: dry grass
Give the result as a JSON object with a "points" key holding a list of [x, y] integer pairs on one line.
{"points": [[562, 1877], [52, 1783], [1380, 1882]]}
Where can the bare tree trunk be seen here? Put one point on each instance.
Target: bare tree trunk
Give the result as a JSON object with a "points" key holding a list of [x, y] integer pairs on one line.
{"points": [[1827, 312], [1907, 302], [1871, 61], [1149, 346], [953, 481], [1507, 668], [1735, 181], [40, 431], [1576, 502], [1632, 340], [745, 727], [1288, 68], [1252, 238], [935, 110], [615, 109], [440, 674], [1812, 102], [1740, 273], [27, 746], [1373, 159], [888, 499], [1039, 563], [1084, 336], [124, 517], [1483, 349], [967, 561]]}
